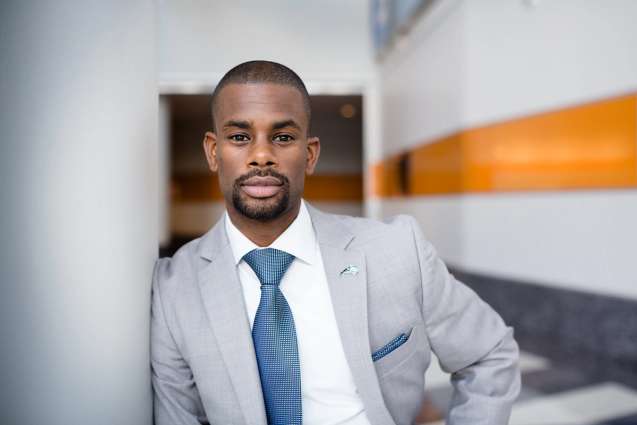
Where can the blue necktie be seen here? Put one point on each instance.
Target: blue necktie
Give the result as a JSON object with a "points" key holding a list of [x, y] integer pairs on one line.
{"points": [[274, 339]]}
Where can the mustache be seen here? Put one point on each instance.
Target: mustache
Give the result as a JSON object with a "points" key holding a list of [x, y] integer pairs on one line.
{"points": [[267, 172]]}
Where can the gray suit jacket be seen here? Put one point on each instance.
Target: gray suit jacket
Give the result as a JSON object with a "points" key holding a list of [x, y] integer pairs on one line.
{"points": [[203, 361]]}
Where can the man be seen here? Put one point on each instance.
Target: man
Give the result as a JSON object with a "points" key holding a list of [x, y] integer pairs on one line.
{"points": [[283, 314]]}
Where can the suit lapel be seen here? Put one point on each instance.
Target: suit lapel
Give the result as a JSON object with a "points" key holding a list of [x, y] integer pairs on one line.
{"points": [[348, 292], [223, 299]]}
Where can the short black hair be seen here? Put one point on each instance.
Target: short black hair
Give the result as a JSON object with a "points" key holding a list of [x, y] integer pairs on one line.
{"points": [[262, 71]]}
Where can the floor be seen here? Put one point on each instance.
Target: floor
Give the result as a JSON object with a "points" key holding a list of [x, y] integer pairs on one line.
{"points": [[551, 394]]}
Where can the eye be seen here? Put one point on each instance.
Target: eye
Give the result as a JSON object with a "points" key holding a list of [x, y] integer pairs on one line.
{"points": [[240, 138], [283, 138]]}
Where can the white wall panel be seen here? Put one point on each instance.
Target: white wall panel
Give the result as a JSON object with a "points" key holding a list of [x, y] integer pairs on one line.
{"points": [[521, 59], [579, 240], [323, 41], [470, 63], [422, 82]]}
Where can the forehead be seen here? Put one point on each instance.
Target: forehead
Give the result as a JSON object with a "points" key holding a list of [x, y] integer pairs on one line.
{"points": [[259, 101]]}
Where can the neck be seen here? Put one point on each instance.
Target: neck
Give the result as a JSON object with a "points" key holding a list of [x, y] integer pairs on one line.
{"points": [[263, 233]]}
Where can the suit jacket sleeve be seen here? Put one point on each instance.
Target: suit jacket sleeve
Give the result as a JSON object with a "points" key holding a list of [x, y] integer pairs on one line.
{"points": [[471, 342], [176, 399]]}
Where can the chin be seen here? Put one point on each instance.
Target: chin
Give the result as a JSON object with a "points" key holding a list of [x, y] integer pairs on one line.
{"points": [[264, 209]]}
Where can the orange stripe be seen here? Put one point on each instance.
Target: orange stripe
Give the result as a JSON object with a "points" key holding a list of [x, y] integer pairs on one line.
{"points": [[591, 146], [196, 188], [205, 188], [334, 188]]}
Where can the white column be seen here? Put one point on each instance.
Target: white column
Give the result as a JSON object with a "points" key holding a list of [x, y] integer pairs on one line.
{"points": [[78, 193]]}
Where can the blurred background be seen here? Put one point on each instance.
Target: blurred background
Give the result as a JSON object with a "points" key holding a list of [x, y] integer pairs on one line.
{"points": [[508, 128]]}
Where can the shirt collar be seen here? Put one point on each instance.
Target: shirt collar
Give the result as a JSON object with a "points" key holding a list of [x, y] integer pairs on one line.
{"points": [[298, 239]]}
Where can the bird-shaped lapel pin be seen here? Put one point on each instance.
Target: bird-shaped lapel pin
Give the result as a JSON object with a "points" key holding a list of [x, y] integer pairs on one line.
{"points": [[350, 270]]}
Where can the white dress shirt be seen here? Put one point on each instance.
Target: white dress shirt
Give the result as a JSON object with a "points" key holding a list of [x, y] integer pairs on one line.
{"points": [[329, 396]]}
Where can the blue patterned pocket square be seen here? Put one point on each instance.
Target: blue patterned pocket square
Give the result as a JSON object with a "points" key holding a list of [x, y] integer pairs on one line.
{"points": [[390, 346]]}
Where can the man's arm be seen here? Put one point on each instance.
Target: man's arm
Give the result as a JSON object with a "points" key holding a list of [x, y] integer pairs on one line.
{"points": [[176, 399], [471, 341]]}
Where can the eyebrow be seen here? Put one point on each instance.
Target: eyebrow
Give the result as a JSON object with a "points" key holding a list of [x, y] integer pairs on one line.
{"points": [[287, 123], [240, 124], [246, 125]]}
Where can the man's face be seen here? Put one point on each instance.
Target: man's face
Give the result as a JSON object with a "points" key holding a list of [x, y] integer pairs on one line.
{"points": [[260, 148]]}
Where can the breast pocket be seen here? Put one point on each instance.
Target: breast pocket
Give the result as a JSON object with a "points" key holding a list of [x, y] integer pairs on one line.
{"points": [[398, 350]]}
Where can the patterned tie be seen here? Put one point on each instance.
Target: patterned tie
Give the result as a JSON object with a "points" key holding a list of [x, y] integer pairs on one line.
{"points": [[274, 339]]}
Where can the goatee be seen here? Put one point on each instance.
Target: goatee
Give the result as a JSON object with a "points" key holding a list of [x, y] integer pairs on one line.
{"points": [[266, 209]]}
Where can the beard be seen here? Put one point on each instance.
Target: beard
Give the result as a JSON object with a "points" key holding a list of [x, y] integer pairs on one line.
{"points": [[261, 209]]}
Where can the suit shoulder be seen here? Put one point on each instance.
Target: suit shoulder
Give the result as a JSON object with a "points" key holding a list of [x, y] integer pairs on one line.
{"points": [[172, 272]]}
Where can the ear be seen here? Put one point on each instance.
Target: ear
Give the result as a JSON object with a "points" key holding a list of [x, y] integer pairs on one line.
{"points": [[313, 152], [210, 148]]}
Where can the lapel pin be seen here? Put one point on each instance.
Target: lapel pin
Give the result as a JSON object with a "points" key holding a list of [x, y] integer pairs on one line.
{"points": [[351, 270]]}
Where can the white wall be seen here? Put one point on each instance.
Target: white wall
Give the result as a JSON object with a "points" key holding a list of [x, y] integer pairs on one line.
{"points": [[324, 41], [79, 227], [581, 240], [469, 63]]}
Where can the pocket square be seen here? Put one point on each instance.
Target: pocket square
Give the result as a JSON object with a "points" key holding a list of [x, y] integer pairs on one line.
{"points": [[389, 347]]}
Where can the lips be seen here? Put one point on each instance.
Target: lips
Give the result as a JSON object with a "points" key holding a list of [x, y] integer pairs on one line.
{"points": [[262, 187]]}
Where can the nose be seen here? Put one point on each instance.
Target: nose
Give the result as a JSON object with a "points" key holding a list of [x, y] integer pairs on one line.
{"points": [[261, 153]]}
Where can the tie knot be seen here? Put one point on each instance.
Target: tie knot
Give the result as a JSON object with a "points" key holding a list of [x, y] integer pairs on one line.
{"points": [[269, 264]]}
